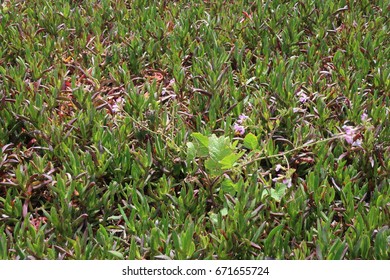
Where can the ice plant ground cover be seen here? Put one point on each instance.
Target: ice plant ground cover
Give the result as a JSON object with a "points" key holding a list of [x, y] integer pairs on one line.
{"points": [[194, 129]]}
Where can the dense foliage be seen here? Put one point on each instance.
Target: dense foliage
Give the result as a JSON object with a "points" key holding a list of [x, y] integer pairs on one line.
{"points": [[194, 129]]}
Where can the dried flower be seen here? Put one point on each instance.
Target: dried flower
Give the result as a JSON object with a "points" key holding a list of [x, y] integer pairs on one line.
{"points": [[299, 110], [118, 105], [372, 162]]}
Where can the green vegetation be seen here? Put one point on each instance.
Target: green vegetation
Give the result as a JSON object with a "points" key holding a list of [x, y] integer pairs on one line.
{"points": [[194, 129]]}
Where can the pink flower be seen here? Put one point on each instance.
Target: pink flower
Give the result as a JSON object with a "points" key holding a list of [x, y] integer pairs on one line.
{"points": [[350, 136], [349, 139], [349, 129], [239, 129], [278, 167], [302, 96], [242, 118], [364, 117], [287, 182], [357, 143]]}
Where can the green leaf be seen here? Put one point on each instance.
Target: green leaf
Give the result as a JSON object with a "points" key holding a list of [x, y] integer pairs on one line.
{"points": [[250, 141], [277, 193], [191, 151], [213, 218], [117, 254], [154, 239], [224, 211], [219, 147], [336, 251], [187, 236], [203, 140], [200, 147], [228, 161], [365, 245], [228, 186], [213, 167], [133, 254], [274, 232], [176, 241], [313, 181]]}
